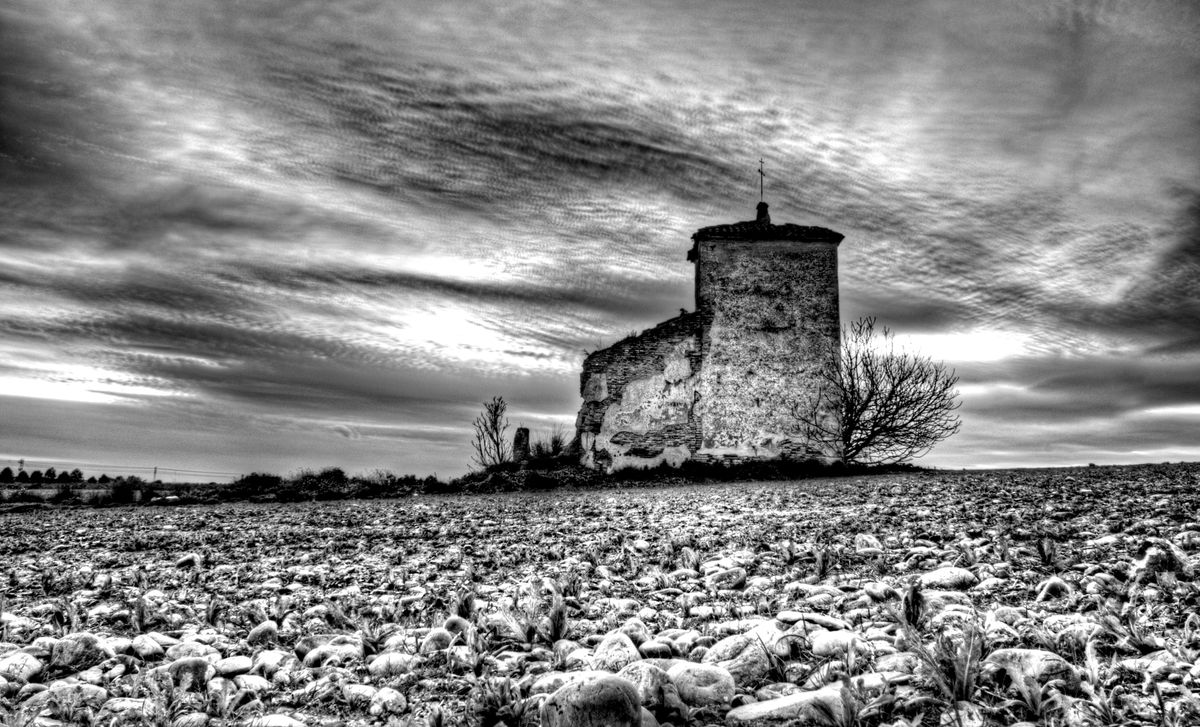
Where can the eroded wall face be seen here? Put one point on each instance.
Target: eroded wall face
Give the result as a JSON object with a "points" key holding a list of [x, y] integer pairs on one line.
{"points": [[638, 398], [769, 318]]}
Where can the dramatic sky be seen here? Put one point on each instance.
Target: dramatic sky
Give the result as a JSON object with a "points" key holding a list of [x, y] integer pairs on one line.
{"points": [[268, 235]]}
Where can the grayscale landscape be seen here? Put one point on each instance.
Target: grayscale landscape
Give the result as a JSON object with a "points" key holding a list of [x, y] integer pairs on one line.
{"points": [[612, 363], [1033, 597]]}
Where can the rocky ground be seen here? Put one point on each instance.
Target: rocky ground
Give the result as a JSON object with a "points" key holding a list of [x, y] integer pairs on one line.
{"points": [[1047, 597]]}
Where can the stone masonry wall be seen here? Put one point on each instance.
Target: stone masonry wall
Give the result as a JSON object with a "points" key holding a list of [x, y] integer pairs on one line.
{"points": [[769, 316], [638, 397], [722, 384]]}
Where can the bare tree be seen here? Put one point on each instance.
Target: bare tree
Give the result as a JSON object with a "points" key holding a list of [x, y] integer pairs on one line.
{"points": [[877, 404], [491, 443]]}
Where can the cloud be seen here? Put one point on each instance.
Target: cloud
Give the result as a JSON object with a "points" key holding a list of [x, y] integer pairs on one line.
{"points": [[1076, 407], [347, 431], [361, 219]]}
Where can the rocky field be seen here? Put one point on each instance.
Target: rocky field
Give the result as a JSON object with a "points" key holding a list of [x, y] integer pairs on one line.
{"points": [[1046, 597]]}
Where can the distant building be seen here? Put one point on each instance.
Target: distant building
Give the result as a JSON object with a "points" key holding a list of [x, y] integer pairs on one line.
{"points": [[719, 384]]}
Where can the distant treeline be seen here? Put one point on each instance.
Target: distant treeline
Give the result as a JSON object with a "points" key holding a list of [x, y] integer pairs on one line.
{"points": [[51, 475], [546, 472], [329, 484], [305, 485]]}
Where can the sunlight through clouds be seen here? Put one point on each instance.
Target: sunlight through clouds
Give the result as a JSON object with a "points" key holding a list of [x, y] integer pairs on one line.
{"points": [[371, 216], [977, 345], [77, 383]]}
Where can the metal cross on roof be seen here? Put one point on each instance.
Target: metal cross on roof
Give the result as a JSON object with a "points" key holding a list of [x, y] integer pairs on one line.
{"points": [[761, 176]]}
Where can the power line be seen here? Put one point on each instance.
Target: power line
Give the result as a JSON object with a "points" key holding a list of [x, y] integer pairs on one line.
{"points": [[153, 472], [31, 464]]}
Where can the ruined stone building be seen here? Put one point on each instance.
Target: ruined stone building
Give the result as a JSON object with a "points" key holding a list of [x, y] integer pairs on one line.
{"points": [[718, 384]]}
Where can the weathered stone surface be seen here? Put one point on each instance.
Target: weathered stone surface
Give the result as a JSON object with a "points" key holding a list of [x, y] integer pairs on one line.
{"points": [[729, 579], [387, 701], [965, 714], [637, 631], [770, 310], [190, 560], [76, 693], [191, 719], [745, 658], [185, 649], [1159, 555], [79, 651], [436, 640], [615, 652], [339, 651], [1051, 588], [390, 663], [836, 643], [950, 577], [269, 661], [655, 649], [638, 396], [192, 671], [551, 682], [232, 666], [700, 685], [147, 648], [520, 446], [714, 385], [266, 631], [252, 683], [1014, 665], [904, 662], [867, 544], [20, 666], [880, 592], [606, 701], [794, 710], [120, 710], [654, 686], [805, 621]]}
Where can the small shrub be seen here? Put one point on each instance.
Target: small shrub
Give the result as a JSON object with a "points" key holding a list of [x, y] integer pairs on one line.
{"points": [[491, 446], [23, 495], [122, 490], [328, 484], [64, 494], [253, 485]]}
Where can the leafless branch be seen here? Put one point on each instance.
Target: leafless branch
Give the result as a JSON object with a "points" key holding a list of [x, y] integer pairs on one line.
{"points": [[878, 405], [491, 443]]}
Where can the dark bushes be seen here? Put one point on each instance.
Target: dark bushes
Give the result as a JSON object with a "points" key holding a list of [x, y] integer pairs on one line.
{"points": [[22, 495], [64, 493], [328, 484]]}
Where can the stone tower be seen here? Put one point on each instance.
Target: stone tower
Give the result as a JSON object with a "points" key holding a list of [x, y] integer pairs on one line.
{"points": [[717, 384], [767, 304]]}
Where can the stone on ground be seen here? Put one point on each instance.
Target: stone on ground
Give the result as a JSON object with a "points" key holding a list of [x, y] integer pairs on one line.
{"points": [[607, 701], [615, 652], [950, 577], [702, 685], [795, 710]]}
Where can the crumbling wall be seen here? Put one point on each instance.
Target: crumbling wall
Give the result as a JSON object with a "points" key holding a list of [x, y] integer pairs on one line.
{"points": [[638, 398], [769, 318], [723, 383]]}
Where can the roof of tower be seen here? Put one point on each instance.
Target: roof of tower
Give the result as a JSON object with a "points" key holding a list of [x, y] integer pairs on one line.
{"points": [[762, 229]]}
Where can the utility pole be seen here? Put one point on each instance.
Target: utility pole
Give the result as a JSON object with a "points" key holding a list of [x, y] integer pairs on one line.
{"points": [[761, 176]]}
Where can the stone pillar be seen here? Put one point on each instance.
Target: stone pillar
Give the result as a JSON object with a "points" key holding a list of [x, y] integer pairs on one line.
{"points": [[521, 445]]}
